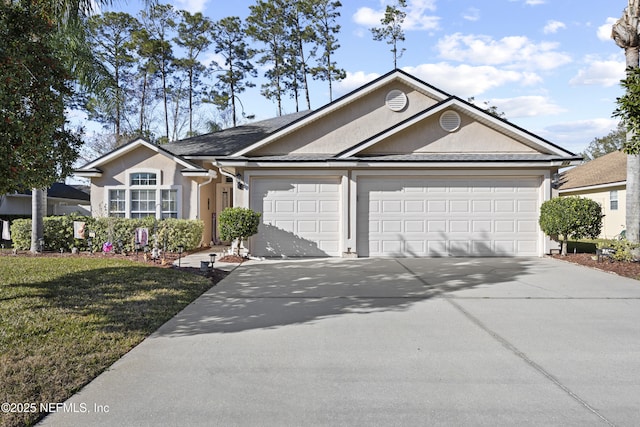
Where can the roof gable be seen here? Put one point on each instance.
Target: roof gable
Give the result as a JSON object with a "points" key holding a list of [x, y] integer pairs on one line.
{"points": [[363, 123], [94, 165], [512, 138], [341, 114]]}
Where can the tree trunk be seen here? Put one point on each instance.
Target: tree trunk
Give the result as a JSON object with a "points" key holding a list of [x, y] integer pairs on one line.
{"points": [[38, 210], [625, 34]]}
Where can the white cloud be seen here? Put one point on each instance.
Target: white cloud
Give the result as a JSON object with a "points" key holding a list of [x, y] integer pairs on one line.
{"points": [[191, 6], [516, 52], [604, 31], [576, 135], [527, 106], [605, 73], [466, 80], [417, 16], [367, 17], [472, 14], [354, 81], [535, 2], [552, 27]]}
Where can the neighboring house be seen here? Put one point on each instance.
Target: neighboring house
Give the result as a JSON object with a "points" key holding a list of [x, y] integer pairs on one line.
{"points": [[604, 180], [394, 168], [62, 199]]}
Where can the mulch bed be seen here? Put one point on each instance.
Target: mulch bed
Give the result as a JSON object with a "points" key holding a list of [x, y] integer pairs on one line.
{"points": [[626, 269]]}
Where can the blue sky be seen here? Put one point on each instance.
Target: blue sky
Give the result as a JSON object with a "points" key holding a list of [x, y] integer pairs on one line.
{"points": [[549, 65]]}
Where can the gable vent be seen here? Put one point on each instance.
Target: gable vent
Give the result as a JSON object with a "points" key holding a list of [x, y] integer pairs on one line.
{"points": [[450, 121], [396, 100]]}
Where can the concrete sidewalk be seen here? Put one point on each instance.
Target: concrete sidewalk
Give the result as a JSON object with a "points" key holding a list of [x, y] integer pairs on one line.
{"points": [[446, 341]]}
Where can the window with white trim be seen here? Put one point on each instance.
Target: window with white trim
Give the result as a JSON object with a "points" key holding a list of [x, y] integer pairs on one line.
{"points": [[117, 203], [143, 195], [169, 204], [143, 178], [143, 203], [613, 200]]}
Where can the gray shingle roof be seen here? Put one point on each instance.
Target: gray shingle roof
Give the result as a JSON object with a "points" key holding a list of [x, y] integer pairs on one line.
{"points": [[229, 141], [59, 190], [607, 169]]}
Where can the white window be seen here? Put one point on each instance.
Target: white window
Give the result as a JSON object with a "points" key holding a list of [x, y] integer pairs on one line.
{"points": [[144, 195], [117, 203], [169, 204], [143, 178], [143, 203], [613, 200]]}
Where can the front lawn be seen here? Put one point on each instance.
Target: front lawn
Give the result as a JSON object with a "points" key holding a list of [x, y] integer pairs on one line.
{"points": [[64, 320]]}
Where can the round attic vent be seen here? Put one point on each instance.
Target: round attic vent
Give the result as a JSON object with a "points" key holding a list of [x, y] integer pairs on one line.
{"points": [[396, 100], [450, 121]]}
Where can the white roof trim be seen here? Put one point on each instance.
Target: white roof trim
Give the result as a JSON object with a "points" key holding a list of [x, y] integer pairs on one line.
{"points": [[593, 187], [513, 131], [347, 99], [118, 152], [87, 174]]}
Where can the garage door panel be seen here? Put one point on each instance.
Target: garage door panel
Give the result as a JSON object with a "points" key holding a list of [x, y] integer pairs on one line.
{"points": [[329, 226], [459, 206], [415, 247], [422, 216], [437, 226], [392, 247], [307, 206], [458, 226], [391, 226], [329, 206], [285, 206], [482, 226], [435, 206], [300, 216], [507, 206], [307, 226], [481, 206], [414, 226]]}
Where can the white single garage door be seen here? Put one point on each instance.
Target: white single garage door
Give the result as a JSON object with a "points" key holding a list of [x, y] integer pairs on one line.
{"points": [[474, 216], [300, 216]]}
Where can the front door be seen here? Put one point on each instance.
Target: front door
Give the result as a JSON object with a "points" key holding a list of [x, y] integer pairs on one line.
{"points": [[223, 201]]}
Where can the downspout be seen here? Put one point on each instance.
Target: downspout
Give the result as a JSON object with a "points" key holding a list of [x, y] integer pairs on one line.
{"points": [[235, 179], [212, 174]]}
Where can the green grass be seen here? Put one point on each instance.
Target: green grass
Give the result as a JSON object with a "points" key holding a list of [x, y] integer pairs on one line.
{"points": [[65, 320]]}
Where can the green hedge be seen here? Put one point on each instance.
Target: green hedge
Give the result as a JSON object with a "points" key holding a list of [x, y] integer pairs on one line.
{"points": [[58, 233]]}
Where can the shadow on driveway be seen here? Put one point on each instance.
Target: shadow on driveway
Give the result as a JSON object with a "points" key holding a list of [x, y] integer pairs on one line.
{"points": [[271, 294]]}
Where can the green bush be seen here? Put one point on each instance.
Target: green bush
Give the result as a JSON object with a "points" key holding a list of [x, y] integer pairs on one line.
{"points": [[58, 233], [177, 232], [238, 223], [564, 218], [21, 233], [623, 249]]}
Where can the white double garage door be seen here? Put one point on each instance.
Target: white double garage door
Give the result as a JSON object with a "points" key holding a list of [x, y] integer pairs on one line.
{"points": [[398, 216]]}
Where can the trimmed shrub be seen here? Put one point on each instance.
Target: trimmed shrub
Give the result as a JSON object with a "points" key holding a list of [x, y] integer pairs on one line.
{"points": [[58, 233], [176, 232], [21, 234], [564, 218], [238, 223]]}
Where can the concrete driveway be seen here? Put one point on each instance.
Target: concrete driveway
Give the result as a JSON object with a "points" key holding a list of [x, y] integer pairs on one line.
{"points": [[385, 342]]}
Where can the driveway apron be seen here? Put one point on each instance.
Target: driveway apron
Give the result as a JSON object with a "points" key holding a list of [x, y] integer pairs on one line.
{"points": [[441, 341]]}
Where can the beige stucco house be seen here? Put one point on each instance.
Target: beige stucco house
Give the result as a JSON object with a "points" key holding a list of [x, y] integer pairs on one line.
{"points": [[394, 168], [604, 180]]}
